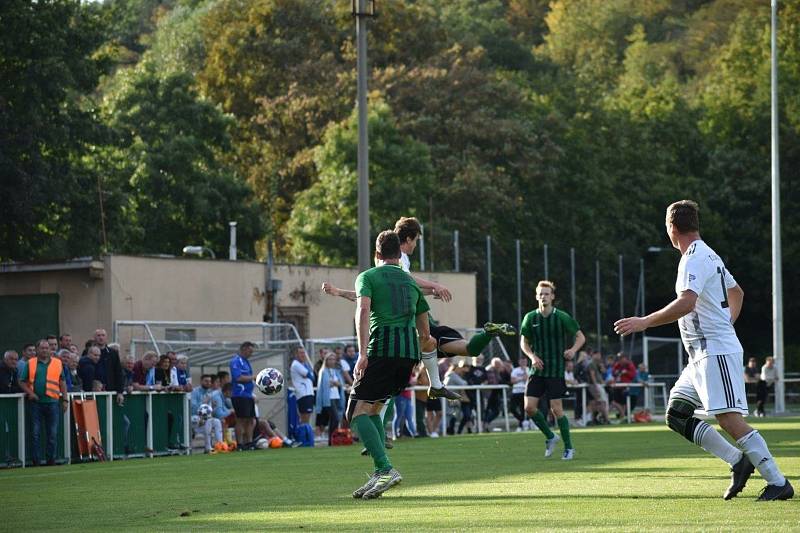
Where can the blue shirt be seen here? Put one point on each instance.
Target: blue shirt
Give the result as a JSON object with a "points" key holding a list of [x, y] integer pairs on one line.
{"points": [[241, 367]]}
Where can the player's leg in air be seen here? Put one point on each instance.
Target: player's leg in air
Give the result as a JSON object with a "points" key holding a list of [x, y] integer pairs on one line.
{"points": [[684, 399], [451, 343]]}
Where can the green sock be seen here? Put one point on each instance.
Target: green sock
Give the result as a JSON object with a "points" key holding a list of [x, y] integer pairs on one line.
{"points": [[563, 425], [379, 427], [389, 415], [541, 423], [477, 343], [373, 441]]}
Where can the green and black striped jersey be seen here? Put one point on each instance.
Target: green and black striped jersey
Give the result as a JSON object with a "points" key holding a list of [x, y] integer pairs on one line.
{"points": [[549, 336], [396, 302]]}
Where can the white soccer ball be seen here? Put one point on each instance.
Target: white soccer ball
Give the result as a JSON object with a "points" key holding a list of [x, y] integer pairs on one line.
{"points": [[205, 411], [262, 444], [269, 381]]}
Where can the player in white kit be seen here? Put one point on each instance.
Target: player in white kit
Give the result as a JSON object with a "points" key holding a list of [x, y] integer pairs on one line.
{"points": [[707, 305]]}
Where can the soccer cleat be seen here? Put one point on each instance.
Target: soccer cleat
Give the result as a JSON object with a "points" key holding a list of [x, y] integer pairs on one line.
{"points": [[359, 492], [388, 443], [569, 454], [384, 482], [550, 445], [740, 473], [499, 329], [774, 492], [365, 452], [442, 392]]}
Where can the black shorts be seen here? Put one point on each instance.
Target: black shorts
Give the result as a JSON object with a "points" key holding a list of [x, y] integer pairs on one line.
{"points": [[443, 335], [306, 404], [384, 378], [538, 386], [433, 405], [244, 407]]}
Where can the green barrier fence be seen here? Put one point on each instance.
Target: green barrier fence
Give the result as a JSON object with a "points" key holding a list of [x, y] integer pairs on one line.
{"points": [[148, 423]]}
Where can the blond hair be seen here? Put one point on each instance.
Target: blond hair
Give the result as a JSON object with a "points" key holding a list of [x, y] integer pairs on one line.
{"points": [[546, 284]]}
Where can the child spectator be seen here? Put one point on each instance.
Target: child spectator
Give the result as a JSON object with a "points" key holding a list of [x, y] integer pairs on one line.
{"points": [[330, 395], [403, 413]]}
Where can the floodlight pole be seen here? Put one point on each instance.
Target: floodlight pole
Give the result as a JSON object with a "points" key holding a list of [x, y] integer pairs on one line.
{"points": [[777, 272], [361, 10]]}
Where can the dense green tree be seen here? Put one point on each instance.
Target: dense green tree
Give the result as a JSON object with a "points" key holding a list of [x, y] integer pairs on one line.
{"points": [[323, 224]]}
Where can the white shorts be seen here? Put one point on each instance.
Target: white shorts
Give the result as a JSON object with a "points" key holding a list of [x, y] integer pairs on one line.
{"points": [[714, 383]]}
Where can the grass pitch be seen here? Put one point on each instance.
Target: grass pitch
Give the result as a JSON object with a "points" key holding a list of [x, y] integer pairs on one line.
{"points": [[628, 478]]}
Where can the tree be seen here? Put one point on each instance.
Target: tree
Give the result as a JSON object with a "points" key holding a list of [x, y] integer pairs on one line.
{"points": [[323, 225]]}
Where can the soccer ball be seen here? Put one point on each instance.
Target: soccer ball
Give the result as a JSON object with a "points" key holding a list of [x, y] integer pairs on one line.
{"points": [[269, 381], [262, 444], [204, 411]]}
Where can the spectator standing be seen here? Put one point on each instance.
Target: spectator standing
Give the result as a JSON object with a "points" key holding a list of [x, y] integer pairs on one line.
{"points": [[766, 382], [597, 388], [519, 378], [144, 374], [72, 369], [87, 368], [182, 380], [28, 353], [430, 408], [404, 413], [52, 340], [350, 357], [643, 377], [455, 377], [162, 372], [109, 368], [330, 394], [42, 380], [581, 373], [127, 368], [64, 356], [303, 383], [752, 375], [496, 374], [242, 398], [624, 371], [65, 341], [9, 375]]}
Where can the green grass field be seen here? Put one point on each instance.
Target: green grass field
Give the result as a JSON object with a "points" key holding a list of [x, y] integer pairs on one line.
{"points": [[624, 478]]}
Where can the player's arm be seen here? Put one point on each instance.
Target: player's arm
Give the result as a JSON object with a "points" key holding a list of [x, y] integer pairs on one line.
{"points": [[436, 289], [580, 340], [527, 350], [735, 302], [238, 377], [327, 288], [680, 306], [363, 306]]}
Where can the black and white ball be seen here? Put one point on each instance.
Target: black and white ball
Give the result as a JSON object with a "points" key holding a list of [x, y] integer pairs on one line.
{"points": [[204, 411], [269, 381]]}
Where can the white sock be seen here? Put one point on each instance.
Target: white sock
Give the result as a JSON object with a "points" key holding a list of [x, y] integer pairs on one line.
{"points": [[432, 366], [711, 441], [755, 447]]}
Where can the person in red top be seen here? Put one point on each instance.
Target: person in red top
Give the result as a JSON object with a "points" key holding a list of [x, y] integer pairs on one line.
{"points": [[624, 371]]}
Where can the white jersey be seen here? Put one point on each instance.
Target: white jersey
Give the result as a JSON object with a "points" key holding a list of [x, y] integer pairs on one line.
{"points": [[301, 381], [708, 330], [405, 262]]}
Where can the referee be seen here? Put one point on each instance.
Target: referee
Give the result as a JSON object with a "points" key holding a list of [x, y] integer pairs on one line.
{"points": [[544, 336]]}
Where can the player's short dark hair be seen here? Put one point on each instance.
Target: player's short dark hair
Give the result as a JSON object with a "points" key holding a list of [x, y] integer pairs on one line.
{"points": [[685, 216], [223, 374], [25, 346], [204, 376], [52, 337], [246, 344], [407, 228], [388, 245]]}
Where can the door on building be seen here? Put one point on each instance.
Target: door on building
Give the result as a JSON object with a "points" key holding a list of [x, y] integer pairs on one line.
{"points": [[298, 316], [27, 318]]}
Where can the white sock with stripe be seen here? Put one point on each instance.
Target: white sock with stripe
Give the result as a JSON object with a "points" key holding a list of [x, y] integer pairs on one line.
{"points": [[755, 447], [711, 441], [432, 366]]}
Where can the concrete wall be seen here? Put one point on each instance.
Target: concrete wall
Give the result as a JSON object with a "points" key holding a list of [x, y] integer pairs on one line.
{"points": [[170, 289]]}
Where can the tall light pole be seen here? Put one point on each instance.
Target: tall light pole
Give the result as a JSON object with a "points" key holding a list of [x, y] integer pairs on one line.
{"points": [[777, 271], [362, 9]]}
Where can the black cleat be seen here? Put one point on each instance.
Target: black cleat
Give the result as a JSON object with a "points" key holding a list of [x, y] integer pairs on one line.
{"points": [[442, 392], [364, 452], [740, 473], [774, 492]]}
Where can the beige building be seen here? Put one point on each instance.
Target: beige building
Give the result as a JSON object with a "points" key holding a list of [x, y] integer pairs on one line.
{"points": [[80, 295]]}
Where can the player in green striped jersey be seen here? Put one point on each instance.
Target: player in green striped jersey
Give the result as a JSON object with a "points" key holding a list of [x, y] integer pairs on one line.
{"points": [[549, 337], [392, 330]]}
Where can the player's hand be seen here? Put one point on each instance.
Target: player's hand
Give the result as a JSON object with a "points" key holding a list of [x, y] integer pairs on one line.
{"points": [[361, 366], [64, 407], [626, 326], [33, 397], [120, 400], [538, 363], [569, 354], [327, 288], [442, 293]]}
